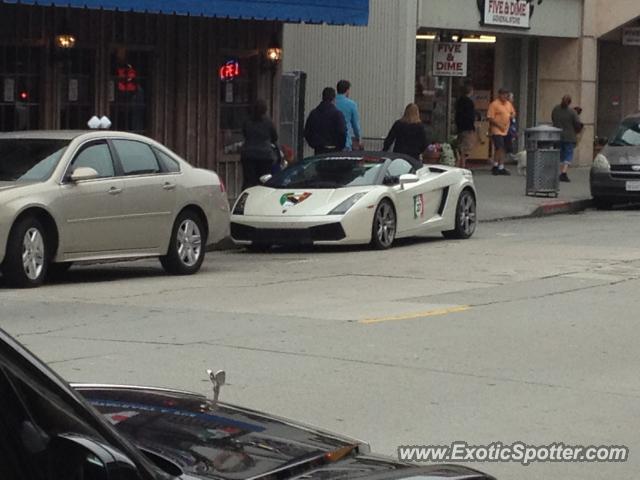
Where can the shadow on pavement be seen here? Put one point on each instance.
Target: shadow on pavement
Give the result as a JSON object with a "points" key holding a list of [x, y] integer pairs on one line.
{"points": [[322, 249], [98, 274]]}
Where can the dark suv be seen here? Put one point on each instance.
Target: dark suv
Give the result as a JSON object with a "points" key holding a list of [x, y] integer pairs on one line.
{"points": [[615, 174]]}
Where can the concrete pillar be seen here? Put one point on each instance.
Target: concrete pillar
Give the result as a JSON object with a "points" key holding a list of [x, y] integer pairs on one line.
{"points": [[570, 66]]}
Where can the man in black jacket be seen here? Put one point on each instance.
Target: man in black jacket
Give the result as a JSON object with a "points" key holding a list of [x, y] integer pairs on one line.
{"points": [[326, 130], [465, 124]]}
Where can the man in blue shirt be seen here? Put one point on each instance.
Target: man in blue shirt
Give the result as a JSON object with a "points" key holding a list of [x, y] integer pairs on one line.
{"points": [[349, 109]]}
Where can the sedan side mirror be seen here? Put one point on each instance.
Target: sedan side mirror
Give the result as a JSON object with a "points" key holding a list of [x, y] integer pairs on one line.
{"points": [[265, 178], [77, 456], [408, 178], [83, 173]]}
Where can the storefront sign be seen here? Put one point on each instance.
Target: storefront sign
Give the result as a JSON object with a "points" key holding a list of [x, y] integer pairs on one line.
{"points": [[228, 93], [127, 78], [507, 13], [73, 89], [229, 70], [450, 59], [631, 36], [9, 90]]}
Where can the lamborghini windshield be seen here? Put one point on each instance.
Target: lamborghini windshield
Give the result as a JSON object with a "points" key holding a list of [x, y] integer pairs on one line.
{"points": [[330, 172]]}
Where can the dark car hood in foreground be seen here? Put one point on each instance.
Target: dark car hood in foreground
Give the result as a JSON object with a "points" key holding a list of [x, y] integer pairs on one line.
{"points": [[234, 443]]}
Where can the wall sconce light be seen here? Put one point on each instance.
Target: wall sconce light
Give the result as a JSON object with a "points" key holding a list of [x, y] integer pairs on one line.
{"points": [[274, 51], [65, 41]]}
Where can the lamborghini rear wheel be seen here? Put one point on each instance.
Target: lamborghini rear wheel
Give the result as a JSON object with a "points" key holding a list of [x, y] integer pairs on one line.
{"points": [[466, 217]]}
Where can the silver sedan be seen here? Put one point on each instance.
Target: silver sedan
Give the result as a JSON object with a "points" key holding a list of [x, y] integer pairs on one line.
{"points": [[95, 196]]}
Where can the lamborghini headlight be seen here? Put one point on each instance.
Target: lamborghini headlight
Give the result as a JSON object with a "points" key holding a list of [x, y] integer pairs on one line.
{"points": [[238, 208], [601, 162], [347, 204]]}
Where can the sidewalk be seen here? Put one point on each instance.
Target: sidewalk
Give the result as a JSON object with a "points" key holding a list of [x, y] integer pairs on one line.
{"points": [[503, 197]]}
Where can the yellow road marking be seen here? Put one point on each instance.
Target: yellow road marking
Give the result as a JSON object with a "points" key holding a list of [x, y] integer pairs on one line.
{"points": [[411, 316]]}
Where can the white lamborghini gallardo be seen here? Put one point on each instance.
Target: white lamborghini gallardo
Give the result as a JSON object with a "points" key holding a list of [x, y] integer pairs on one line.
{"points": [[355, 197]]}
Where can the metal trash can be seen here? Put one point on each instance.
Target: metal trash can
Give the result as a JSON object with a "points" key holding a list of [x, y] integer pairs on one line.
{"points": [[543, 160]]}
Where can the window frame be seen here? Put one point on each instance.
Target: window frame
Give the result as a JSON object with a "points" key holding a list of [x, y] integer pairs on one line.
{"points": [[160, 157], [66, 178], [118, 158]]}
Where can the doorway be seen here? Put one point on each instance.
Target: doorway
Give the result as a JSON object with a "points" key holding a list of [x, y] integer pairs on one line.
{"points": [[21, 83]]}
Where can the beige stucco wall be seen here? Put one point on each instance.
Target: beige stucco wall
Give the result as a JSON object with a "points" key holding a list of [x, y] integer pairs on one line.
{"points": [[611, 14], [570, 66]]}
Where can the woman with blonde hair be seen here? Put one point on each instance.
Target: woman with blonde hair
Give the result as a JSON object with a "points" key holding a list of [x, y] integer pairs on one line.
{"points": [[408, 134]]}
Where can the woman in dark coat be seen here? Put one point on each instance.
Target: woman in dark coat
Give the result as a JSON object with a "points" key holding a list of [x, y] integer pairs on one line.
{"points": [[257, 154], [408, 134]]}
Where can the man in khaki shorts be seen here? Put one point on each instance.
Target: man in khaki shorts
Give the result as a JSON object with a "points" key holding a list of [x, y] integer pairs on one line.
{"points": [[500, 113]]}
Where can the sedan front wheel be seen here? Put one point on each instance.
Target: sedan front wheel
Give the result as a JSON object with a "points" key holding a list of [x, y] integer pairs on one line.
{"points": [[187, 245], [26, 259]]}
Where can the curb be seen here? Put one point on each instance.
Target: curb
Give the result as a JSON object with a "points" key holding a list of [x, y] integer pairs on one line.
{"points": [[562, 206], [547, 209]]}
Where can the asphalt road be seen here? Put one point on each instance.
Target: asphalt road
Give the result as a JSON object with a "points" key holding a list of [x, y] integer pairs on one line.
{"points": [[527, 332]]}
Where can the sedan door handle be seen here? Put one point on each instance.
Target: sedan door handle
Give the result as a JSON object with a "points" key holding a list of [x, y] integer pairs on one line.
{"points": [[169, 186], [115, 191]]}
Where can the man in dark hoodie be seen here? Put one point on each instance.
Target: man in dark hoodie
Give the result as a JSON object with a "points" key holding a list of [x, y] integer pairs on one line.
{"points": [[326, 129]]}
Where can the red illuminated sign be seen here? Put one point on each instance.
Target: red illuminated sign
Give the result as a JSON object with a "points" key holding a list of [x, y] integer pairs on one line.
{"points": [[127, 79], [229, 70]]}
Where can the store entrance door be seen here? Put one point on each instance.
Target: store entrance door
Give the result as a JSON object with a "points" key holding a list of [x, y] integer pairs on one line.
{"points": [[76, 93], [238, 93]]}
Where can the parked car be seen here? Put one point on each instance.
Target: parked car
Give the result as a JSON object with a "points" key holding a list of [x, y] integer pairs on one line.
{"points": [[615, 174], [355, 198], [50, 430], [74, 196]]}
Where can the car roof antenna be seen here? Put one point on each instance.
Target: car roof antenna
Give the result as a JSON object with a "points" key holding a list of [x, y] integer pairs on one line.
{"points": [[218, 379]]}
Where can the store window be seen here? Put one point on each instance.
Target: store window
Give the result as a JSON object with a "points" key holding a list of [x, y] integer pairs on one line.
{"points": [[436, 96], [136, 157], [77, 88], [432, 93], [20, 81], [238, 91], [129, 90]]}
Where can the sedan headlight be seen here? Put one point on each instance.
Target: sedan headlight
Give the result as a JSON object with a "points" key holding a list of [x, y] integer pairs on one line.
{"points": [[347, 204], [238, 208], [601, 162]]}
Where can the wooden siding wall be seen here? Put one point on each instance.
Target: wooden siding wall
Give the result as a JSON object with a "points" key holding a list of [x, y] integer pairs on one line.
{"points": [[186, 54]]}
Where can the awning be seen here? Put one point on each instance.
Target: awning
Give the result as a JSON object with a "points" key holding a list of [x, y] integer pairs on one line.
{"points": [[334, 12]]}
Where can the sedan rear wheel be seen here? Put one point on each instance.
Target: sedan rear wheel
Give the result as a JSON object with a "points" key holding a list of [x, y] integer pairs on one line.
{"points": [[187, 245], [466, 217], [383, 232], [26, 261]]}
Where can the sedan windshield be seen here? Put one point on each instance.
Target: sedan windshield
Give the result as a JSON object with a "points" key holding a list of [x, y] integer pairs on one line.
{"points": [[329, 172], [29, 159], [628, 134]]}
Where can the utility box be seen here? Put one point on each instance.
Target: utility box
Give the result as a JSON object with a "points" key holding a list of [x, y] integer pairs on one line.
{"points": [[543, 160], [292, 92]]}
